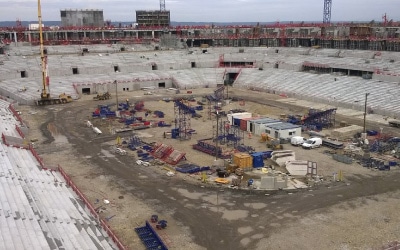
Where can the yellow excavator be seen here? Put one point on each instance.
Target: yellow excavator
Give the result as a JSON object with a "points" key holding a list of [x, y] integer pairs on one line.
{"points": [[45, 98]]}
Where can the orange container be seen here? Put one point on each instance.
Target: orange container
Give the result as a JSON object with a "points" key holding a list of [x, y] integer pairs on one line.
{"points": [[243, 160]]}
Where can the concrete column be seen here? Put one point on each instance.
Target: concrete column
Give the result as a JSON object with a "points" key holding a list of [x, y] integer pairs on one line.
{"points": [[84, 34], [102, 35], [15, 37], [137, 34], [152, 34], [46, 36], [29, 37], [65, 35]]}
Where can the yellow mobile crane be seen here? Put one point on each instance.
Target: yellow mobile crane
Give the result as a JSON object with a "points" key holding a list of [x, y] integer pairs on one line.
{"points": [[45, 98]]}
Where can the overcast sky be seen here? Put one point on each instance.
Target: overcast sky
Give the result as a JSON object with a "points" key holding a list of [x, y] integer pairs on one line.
{"points": [[209, 10]]}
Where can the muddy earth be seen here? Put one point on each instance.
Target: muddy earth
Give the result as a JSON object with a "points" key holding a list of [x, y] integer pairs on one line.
{"points": [[359, 213]]}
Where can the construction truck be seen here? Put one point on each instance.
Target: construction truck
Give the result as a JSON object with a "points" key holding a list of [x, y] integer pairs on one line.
{"points": [[104, 96], [45, 98]]}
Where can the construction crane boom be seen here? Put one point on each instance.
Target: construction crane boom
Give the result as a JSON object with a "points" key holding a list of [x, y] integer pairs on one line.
{"points": [[43, 59]]}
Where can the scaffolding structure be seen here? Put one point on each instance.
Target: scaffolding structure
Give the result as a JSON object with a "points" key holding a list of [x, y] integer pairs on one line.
{"points": [[183, 115], [317, 119], [226, 134], [219, 93], [214, 100]]}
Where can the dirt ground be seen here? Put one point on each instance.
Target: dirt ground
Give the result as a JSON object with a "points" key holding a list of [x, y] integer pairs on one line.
{"points": [[359, 213]]}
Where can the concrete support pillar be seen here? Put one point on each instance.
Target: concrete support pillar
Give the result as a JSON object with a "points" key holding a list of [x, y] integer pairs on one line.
{"points": [[84, 34], [30, 37], [137, 34], [46, 36], [15, 37], [65, 35], [152, 34], [102, 35]]}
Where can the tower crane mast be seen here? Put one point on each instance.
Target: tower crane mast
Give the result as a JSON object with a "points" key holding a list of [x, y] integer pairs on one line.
{"points": [[45, 98], [43, 58], [327, 11], [162, 5]]}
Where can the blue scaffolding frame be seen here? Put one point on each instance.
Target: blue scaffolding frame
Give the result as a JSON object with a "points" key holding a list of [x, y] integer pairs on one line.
{"points": [[183, 114]]}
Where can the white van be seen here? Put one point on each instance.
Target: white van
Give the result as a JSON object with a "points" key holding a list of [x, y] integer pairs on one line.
{"points": [[312, 143], [297, 140]]}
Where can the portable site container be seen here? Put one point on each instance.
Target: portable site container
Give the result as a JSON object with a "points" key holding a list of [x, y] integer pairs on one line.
{"points": [[237, 115], [283, 130], [244, 122], [260, 125], [258, 160], [249, 123], [243, 160]]}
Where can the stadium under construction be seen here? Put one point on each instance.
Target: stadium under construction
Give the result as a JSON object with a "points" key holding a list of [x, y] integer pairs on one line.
{"points": [[378, 37]]}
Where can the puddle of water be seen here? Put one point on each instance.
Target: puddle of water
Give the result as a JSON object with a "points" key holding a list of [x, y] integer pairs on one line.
{"points": [[245, 241], [214, 199], [255, 205], [245, 230], [257, 236], [58, 138], [107, 153], [189, 195], [235, 214]]}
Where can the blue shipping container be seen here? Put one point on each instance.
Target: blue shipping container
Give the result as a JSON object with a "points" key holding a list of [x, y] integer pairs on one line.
{"points": [[258, 160]]}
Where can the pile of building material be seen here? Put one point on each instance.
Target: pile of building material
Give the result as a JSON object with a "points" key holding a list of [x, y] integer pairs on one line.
{"points": [[346, 132], [394, 123], [332, 143], [167, 153], [282, 156], [297, 167]]}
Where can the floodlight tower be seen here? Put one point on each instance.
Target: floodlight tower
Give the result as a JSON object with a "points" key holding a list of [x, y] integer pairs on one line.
{"points": [[162, 5], [327, 11]]}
